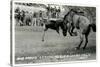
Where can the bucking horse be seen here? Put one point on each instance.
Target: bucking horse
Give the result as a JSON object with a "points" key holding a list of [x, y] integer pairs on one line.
{"points": [[82, 25]]}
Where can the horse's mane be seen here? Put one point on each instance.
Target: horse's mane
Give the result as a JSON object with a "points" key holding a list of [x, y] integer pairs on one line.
{"points": [[76, 12], [69, 13], [66, 15]]}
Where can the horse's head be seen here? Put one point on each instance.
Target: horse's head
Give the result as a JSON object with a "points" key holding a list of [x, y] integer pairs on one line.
{"points": [[67, 20]]}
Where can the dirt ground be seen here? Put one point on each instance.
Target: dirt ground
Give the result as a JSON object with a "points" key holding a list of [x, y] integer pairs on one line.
{"points": [[29, 47]]}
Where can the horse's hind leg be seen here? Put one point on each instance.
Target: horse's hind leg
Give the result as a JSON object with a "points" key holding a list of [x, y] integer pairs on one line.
{"points": [[86, 41], [81, 41], [86, 37]]}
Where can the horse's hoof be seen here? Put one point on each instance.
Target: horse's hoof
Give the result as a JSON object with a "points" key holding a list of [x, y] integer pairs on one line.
{"points": [[77, 48]]}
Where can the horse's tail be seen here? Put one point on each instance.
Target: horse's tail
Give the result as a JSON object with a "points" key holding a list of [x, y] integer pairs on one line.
{"points": [[93, 26]]}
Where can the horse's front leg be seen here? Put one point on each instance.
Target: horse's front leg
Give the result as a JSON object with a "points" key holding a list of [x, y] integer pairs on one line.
{"points": [[72, 30], [81, 41], [69, 27]]}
